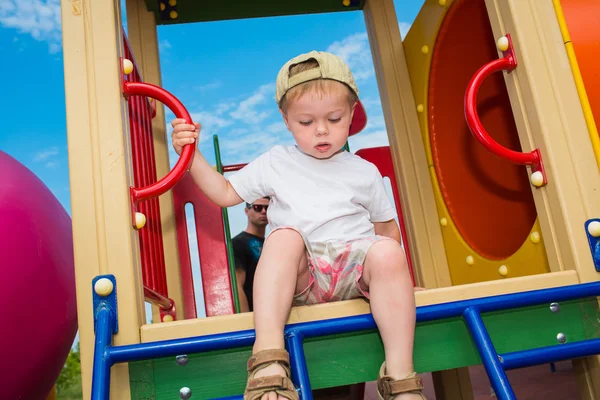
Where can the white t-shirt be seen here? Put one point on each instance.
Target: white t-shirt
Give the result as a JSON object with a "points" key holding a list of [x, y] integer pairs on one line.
{"points": [[333, 199]]}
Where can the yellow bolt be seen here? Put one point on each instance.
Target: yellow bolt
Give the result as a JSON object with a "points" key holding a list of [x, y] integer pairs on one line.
{"points": [[425, 49], [420, 108], [172, 3], [535, 237], [103, 287], [442, 3], [162, 6], [168, 318], [346, 3], [127, 66], [503, 270], [502, 43], [173, 14], [140, 220]]}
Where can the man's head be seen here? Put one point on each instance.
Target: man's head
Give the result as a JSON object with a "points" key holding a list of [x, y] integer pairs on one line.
{"points": [[257, 212], [318, 99]]}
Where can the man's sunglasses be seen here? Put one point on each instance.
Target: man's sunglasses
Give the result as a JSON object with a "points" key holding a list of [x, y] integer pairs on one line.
{"points": [[259, 207]]}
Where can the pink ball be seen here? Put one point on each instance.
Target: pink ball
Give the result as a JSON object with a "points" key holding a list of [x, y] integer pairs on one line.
{"points": [[37, 284]]}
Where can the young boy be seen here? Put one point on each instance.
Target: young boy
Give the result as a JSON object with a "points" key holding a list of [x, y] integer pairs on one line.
{"points": [[333, 235]]}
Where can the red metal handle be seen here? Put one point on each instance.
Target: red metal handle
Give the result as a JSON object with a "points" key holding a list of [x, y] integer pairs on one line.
{"points": [[507, 62], [187, 154]]}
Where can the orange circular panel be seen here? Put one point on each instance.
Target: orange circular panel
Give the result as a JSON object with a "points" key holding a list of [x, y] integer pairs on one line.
{"points": [[582, 18], [489, 199]]}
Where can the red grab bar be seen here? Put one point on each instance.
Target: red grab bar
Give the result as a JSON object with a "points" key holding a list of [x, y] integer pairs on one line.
{"points": [[507, 62], [187, 154]]}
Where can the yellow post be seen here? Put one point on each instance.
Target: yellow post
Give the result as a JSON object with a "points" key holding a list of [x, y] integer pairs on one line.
{"points": [[143, 39], [549, 116], [406, 144], [100, 176], [416, 191]]}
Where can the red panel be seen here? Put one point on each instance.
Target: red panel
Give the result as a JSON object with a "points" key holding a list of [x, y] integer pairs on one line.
{"points": [[216, 282], [381, 157], [488, 198], [144, 173]]}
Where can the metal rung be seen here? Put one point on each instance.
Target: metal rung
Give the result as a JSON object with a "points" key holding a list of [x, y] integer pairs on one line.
{"points": [[488, 354]]}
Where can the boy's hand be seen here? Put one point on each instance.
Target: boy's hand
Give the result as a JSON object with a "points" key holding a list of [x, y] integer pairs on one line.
{"points": [[183, 133]]}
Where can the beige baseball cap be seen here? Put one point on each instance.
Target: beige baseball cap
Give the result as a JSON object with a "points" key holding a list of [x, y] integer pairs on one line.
{"points": [[330, 67]]}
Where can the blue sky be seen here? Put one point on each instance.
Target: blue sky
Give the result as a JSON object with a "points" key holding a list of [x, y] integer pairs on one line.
{"points": [[223, 72]]}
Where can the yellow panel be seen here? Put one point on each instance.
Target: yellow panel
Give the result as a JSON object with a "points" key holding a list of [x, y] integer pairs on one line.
{"points": [[530, 259], [418, 46]]}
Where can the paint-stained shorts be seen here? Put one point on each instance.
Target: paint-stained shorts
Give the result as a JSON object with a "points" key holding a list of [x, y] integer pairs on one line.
{"points": [[335, 269]]}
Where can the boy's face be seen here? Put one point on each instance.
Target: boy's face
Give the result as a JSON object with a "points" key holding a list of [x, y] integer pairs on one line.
{"points": [[320, 122]]}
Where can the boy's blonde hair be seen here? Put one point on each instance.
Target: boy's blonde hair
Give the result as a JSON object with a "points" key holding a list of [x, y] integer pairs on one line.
{"points": [[319, 86]]}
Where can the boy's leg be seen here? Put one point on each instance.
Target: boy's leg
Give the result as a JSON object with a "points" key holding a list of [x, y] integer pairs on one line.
{"points": [[282, 270], [391, 293]]}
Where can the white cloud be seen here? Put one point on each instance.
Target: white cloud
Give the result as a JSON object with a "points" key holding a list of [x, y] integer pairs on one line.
{"points": [[368, 139], [38, 18], [248, 109], [245, 149], [223, 107], [164, 45], [277, 127], [404, 28], [209, 86], [355, 51], [49, 157], [46, 154]]}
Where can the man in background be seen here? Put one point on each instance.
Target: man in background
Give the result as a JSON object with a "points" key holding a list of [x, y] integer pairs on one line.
{"points": [[247, 246]]}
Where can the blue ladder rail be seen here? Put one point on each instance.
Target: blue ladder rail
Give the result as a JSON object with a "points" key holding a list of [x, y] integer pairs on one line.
{"points": [[106, 355]]}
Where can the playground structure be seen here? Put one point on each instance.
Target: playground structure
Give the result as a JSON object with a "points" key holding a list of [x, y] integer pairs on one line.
{"points": [[495, 151]]}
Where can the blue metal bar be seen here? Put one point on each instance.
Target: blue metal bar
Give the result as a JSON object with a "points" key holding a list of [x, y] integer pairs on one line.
{"points": [[508, 301], [353, 323], [543, 355], [488, 354], [298, 366], [102, 363], [199, 344]]}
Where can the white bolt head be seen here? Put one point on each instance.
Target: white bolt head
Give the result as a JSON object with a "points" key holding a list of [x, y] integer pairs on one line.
{"points": [[537, 179], [503, 270], [594, 228], [103, 287], [185, 393], [502, 43]]}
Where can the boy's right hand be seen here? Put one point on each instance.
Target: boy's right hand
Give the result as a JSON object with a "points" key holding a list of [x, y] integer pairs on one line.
{"points": [[183, 133]]}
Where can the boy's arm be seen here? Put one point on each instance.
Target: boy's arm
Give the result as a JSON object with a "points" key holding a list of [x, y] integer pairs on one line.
{"points": [[388, 229], [212, 183]]}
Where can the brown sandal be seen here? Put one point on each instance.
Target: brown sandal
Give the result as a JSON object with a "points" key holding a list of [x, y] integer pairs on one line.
{"points": [[282, 385], [388, 387]]}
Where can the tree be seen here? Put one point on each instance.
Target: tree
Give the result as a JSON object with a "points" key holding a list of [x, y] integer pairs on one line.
{"points": [[68, 384]]}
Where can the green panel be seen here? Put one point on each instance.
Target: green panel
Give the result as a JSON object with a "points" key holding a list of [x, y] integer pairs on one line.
{"points": [[345, 359], [202, 10]]}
